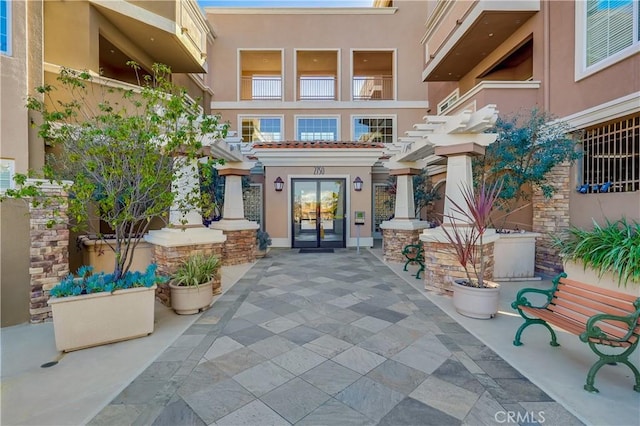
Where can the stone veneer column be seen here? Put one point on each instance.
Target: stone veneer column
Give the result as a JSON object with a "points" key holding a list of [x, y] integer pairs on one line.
{"points": [[551, 216], [49, 252], [404, 228], [240, 246]]}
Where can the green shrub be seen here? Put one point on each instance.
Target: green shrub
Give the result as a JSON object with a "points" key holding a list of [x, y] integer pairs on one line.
{"points": [[196, 269], [613, 248]]}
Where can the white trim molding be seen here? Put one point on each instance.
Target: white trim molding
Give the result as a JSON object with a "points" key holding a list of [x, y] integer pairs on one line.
{"points": [[300, 10], [486, 85], [299, 105], [604, 112]]}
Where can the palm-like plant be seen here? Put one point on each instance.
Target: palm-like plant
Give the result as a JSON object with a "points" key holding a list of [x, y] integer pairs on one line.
{"points": [[196, 269], [466, 238]]}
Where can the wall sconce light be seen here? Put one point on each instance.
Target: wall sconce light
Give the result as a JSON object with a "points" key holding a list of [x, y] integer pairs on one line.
{"points": [[357, 184], [278, 183]]}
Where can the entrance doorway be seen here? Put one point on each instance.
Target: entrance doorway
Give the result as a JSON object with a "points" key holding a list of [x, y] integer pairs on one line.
{"points": [[318, 215]]}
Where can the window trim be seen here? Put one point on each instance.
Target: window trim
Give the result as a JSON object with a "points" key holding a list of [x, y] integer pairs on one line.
{"points": [[450, 100], [260, 116], [317, 116], [394, 124], [581, 70], [338, 71], [8, 52]]}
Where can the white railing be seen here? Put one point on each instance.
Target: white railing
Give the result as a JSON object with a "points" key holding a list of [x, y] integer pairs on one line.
{"points": [[261, 88], [373, 88], [317, 88]]}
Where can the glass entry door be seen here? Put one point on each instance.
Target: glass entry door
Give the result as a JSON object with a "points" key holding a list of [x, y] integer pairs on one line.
{"points": [[318, 214]]}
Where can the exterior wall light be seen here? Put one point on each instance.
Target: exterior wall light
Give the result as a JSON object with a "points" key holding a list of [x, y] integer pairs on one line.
{"points": [[278, 183], [357, 184]]}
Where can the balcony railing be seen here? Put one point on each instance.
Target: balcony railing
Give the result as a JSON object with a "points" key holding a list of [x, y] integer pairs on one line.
{"points": [[317, 88], [373, 88], [261, 88]]}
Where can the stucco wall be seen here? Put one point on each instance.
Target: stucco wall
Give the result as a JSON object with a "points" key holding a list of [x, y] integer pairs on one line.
{"points": [[278, 204]]}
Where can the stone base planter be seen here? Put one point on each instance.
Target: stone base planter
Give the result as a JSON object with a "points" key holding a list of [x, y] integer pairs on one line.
{"points": [[187, 300], [474, 302], [96, 319]]}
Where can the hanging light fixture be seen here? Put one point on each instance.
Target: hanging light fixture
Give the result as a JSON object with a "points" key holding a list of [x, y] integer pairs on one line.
{"points": [[278, 183], [357, 184]]}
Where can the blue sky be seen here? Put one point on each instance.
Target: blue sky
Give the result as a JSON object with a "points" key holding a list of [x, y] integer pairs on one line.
{"points": [[286, 3]]}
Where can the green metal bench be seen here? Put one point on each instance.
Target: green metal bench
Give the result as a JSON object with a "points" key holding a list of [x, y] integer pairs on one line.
{"points": [[414, 253], [600, 317]]}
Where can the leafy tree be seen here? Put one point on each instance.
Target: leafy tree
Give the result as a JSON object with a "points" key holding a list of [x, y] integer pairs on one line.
{"points": [[120, 147], [528, 146]]}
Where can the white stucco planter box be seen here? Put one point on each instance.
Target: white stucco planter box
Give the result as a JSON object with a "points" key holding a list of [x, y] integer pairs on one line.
{"points": [[98, 254], [515, 257], [576, 271], [96, 319]]}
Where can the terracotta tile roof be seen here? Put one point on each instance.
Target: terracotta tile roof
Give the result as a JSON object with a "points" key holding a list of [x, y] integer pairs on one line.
{"points": [[318, 144]]}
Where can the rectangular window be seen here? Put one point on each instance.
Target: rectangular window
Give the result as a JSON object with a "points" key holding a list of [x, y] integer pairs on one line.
{"points": [[373, 129], [611, 158], [261, 129], [7, 171], [611, 27], [317, 129], [5, 27]]}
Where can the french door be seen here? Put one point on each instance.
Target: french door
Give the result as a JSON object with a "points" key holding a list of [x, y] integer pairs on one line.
{"points": [[318, 213]]}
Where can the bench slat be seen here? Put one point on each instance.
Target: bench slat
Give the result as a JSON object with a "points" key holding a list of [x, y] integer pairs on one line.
{"points": [[560, 305], [620, 303], [595, 305], [603, 291], [610, 328]]}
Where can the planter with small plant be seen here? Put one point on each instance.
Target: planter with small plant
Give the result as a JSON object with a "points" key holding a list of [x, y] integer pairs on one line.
{"points": [[95, 309], [608, 255], [194, 284], [263, 241], [473, 296]]}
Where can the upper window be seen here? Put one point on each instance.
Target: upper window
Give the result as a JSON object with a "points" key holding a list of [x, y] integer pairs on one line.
{"points": [[317, 128], [260, 75], [5, 27], [608, 31], [261, 129], [373, 129], [373, 75], [317, 75]]}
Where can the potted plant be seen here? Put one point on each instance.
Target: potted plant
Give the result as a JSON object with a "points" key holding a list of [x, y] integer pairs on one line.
{"points": [[607, 255], [473, 296], [194, 283], [263, 241], [95, 309]]}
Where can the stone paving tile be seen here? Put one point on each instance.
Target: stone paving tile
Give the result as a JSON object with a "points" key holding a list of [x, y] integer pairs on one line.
{"points": [[221, 346], [410, 412], [370, 398], [272, 346], [330, 377], [178, 413], [334, 412], [299, 360], [359, 360], [445, 396], [239, 360], [274, 331], [252, 414], [263, 378], [397, 376], [553, 413], [327, 346], [250, 335], [295, 399], [216, 401]]}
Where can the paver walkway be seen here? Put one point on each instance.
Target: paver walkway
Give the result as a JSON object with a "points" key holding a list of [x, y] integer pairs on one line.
{"points": [[328, 339]]}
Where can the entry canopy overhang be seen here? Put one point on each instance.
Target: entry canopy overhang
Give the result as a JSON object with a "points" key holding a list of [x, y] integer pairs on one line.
{"points": [[350, 154], [444, 131]]}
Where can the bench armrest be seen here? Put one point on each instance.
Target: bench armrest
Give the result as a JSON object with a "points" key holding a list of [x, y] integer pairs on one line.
{"points": [[521, 300], [594, 332]]}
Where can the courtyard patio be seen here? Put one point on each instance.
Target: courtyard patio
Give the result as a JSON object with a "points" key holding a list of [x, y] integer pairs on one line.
{"points": [[326, 338]]}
